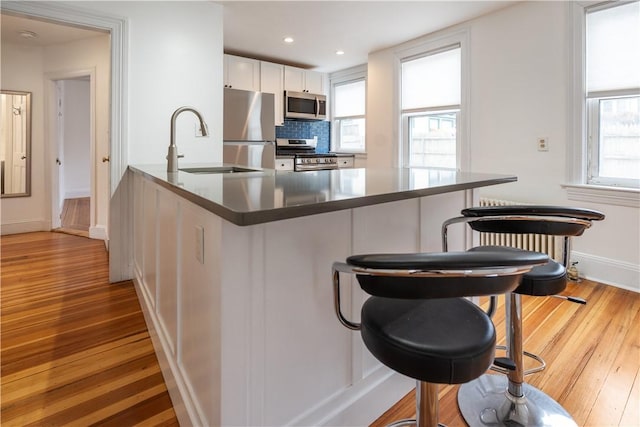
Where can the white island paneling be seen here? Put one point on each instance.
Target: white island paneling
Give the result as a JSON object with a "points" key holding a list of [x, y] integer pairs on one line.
{"points": [[242, 316]]}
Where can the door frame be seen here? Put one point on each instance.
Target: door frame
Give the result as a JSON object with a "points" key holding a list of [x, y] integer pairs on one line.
{"points": [[119, 239], [52, 130]]}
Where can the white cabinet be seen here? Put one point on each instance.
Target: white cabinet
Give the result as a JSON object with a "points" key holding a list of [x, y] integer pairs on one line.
{"points": [[223, 303], [241, 73], [272, 81], [314, 82], [299, 80], [345, 162], [284, 164]]}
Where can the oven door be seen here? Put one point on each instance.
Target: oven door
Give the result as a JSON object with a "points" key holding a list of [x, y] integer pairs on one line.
{"points": [[300, 105], [302, 168]]}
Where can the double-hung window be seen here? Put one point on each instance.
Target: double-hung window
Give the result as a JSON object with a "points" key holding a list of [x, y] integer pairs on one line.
{"points": [[612, 95], [430, 103], [349, 116]]}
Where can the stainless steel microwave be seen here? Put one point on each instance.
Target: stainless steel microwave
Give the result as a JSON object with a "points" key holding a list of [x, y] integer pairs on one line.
{"points": [[302, 105]]}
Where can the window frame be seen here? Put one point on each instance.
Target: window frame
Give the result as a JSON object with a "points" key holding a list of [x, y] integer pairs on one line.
{"points": [[592, 107], [425, 47], [578, 186], [406, 132], [351, 75]]}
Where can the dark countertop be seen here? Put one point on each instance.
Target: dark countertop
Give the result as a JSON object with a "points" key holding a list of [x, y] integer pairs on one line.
{"points": [[268, 195]]}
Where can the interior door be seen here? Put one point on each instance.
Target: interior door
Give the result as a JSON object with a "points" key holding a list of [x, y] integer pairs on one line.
{"points": [[18, 140]]}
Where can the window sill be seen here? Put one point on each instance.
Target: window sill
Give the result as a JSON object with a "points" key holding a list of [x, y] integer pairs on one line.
{"points": [[357, 154], [605, 195]]}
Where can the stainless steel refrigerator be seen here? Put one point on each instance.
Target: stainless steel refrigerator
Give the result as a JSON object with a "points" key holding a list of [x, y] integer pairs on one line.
{"points": [[249, 131]]}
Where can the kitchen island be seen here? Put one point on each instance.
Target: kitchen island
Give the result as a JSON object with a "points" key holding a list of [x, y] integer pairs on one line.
{"points": [[233, 271]]}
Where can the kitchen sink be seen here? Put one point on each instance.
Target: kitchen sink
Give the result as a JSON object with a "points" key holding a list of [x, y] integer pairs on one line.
{"points": [[218, 169]]}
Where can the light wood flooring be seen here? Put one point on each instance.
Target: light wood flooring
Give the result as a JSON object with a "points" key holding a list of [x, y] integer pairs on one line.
{"points": [[75, 217], [75, 350]]}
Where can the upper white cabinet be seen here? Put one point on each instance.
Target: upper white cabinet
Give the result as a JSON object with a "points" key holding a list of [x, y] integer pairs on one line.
{"points": [[260, 76], [300, 80], [241, 73], [272, 81]]}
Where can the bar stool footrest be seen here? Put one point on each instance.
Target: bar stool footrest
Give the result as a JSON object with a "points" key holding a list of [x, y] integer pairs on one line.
{"points": [[541, 367]]}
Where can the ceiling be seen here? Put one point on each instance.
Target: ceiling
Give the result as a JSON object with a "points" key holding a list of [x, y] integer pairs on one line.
{"points": [[47, 33], [256, 28]]}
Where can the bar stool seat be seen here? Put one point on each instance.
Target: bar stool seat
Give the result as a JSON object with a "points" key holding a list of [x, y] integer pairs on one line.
{"points": [[542, 280], [409, 337], [417, 322]]}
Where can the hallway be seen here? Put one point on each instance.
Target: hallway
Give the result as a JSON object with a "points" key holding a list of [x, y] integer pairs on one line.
{"points": [[75, 349]]}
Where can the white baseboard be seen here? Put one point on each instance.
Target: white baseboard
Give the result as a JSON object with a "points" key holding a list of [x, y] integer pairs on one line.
{"points": [[25, 227], [98, 232], [76, 194], [620, 274], [180, 397], [374, 395]]}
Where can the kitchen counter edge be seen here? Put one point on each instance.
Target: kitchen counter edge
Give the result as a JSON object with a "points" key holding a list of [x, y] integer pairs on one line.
{"points": [[278, 214]]}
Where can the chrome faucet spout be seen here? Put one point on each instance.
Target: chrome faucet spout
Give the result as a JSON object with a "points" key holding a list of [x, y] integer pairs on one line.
{"points": [[172, 155]]}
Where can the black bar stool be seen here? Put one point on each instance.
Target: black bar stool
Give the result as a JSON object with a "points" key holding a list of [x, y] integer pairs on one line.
{"points": [[416, 321], [496, 400]]}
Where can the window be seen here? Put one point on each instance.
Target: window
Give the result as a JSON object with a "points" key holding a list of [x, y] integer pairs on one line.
{"points": [[431, 98], [349, 116], [612, 77]]}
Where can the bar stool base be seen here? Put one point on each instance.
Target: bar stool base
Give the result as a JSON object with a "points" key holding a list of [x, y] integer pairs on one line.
{"points": [[409, 422], [486, 402]]}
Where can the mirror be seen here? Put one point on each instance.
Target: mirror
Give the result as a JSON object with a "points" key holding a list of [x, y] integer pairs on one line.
{"points": [[15, 143]]}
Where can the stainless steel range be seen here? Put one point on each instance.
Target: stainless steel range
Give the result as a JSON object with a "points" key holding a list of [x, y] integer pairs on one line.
{"points": [[304, 154]]}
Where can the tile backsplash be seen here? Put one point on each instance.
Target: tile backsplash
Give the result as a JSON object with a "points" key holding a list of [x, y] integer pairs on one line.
{"points": [[307, 130]]}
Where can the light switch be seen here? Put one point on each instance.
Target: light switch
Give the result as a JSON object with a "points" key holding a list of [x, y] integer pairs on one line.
{"points": [[200, 244]]}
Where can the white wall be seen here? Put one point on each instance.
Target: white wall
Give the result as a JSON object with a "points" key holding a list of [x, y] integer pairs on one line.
{"points": [[519, 91], [22, 69], [383, 100], [175, 59], [76, 138]]}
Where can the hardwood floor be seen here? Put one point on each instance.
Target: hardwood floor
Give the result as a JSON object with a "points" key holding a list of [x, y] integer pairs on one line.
{"points": [[74, 349], [592, 354]]}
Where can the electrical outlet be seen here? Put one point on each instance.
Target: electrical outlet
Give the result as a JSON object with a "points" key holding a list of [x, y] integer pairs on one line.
{"points": [[543, 144], [199, 244]]}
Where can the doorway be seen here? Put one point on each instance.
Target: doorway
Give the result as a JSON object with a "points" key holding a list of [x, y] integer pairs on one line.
{"points": [[115, 203], [75, 201]]}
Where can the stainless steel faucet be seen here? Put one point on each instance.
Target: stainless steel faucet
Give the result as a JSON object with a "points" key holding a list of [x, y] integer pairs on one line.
{"points": [[172, 156]]}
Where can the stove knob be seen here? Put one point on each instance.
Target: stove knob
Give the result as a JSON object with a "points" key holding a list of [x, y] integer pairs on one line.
{"points": [[318, 160]]}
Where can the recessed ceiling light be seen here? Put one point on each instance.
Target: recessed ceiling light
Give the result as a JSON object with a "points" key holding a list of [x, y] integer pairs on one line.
{"points": [[25, 34], [339, 52], [288, 39]]}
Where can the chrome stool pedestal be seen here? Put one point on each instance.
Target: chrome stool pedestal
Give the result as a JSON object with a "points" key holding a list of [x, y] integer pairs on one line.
{"points": [[498, 400], [426, 407]]}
